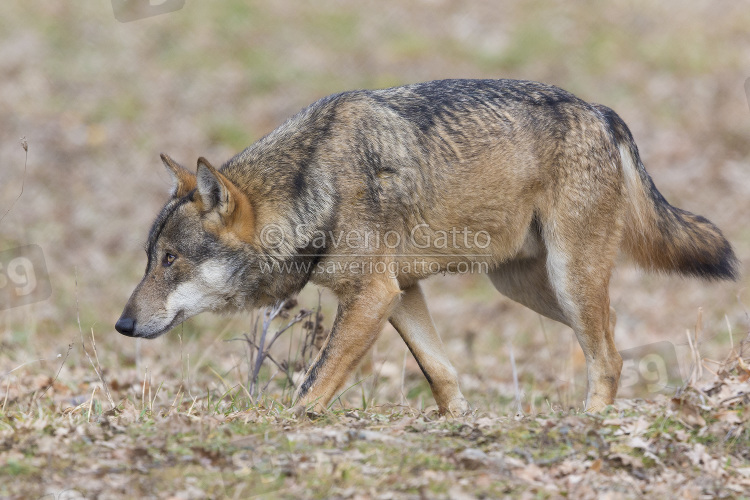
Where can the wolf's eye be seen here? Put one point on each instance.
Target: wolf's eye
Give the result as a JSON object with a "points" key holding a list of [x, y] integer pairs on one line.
{"points": [[168, 259]]}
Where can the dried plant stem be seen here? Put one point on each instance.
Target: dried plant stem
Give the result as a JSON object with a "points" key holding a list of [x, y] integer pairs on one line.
{"points": [[91, 404], [96, 366], [403, 378], [696, 343], [70, 347], [7, 391], [143, 390], [519, 409], [25, 146], [729, 328]]}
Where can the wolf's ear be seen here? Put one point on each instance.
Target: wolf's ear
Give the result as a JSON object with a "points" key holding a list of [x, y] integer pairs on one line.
{"points": [[183, 181], [220, 195], [213, 189]]}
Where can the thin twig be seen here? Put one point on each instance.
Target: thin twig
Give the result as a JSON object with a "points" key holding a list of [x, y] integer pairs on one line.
{"points": [[25, 146], [698, 330], [143, 390], [99, 372], [552, 356], [519, 409], [262, 346], [279, 370], [153, 401], [149, 391], [291, 323], [182, 362], [732, 398], [345, 391], [731, 338], [95, 366], [266, 355], [174, 402], [91, 403], [376, 378], [70, 347], [40, 360], [188, 378], [269, 316], [692, 354], [403, 378], [7, 391], [307, 347]]}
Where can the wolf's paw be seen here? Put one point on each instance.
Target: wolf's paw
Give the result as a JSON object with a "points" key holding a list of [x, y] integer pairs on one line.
{"points": [[598, 405], [298, 411], [301, 412], [594, 409], [457, 407]]}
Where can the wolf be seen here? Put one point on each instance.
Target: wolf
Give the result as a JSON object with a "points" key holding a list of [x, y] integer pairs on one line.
{"points": [[367, 192]]}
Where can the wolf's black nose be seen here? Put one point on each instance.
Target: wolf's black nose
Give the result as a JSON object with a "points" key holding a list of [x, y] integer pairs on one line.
{"points": [[126, 326]]}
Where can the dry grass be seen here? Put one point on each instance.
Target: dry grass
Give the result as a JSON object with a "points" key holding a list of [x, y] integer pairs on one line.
{"points": [[165, 441], [97, 101]]}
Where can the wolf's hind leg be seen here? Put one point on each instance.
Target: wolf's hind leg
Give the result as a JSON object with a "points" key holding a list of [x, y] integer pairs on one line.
{"points": [[579, 271], [571, 286], [413, 322]]}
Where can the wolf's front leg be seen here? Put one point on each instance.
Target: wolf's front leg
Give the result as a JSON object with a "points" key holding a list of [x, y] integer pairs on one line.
{"points": [[413, 322], [359, 320]]}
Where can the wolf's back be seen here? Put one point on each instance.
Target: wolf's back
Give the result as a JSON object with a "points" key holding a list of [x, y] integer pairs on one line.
{"points": [[659, 236]]}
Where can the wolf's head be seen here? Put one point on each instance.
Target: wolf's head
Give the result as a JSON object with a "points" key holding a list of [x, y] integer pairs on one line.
{"points": [[199, 249]]}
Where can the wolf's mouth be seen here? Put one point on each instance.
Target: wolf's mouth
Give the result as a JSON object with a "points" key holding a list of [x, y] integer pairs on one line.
{"points": [[178, 318]]}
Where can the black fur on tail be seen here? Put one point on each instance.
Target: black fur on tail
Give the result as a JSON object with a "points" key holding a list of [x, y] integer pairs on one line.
{"points": [[659, 236]]}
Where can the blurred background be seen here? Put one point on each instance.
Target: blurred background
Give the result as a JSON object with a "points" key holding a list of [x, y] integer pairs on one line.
{"points": [[98, 99]]}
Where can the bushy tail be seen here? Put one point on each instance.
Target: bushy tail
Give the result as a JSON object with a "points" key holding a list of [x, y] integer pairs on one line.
{"points": [[661, 237]]}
